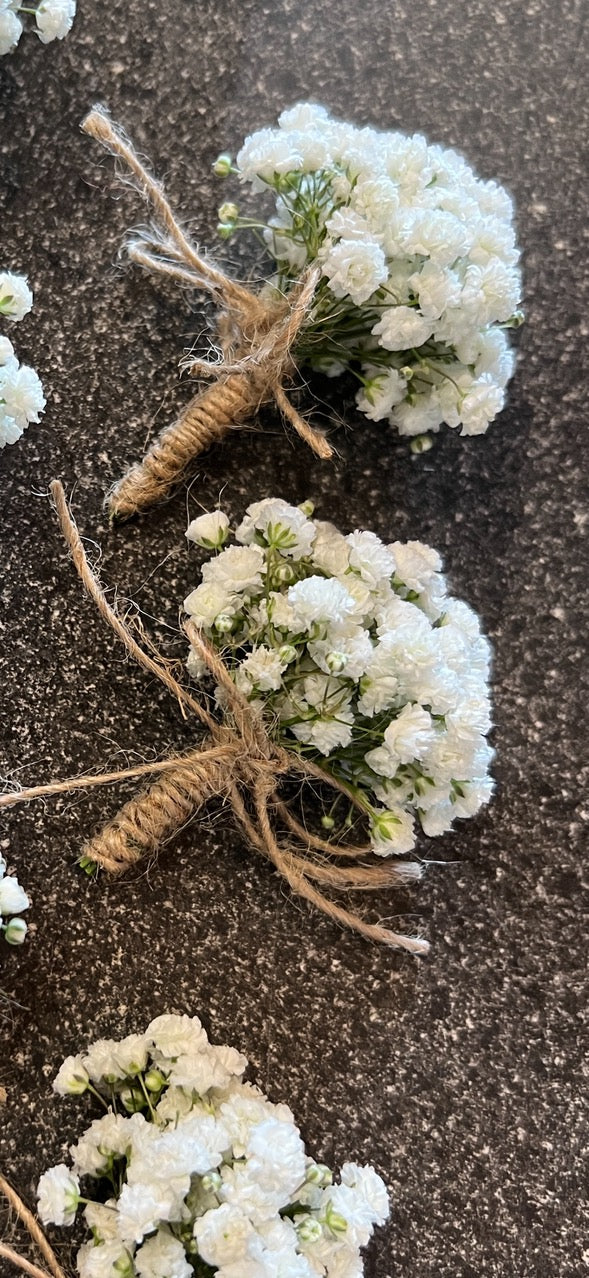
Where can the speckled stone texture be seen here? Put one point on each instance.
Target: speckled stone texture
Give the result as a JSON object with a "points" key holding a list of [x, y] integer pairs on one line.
{"points": [[459, 1076]]}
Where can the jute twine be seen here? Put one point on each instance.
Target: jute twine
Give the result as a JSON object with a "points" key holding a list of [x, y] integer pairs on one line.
{"points": [[256, 335], [30, 1223], [239, 763]]}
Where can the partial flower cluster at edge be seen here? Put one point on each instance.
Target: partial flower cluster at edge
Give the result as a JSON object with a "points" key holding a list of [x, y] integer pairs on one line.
{"points": [[52, 20], [191, 1171], [21, 393], [13, 901], [356, 656]]}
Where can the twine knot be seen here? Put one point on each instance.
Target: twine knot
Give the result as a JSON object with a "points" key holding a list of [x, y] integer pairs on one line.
{"points": [[258, 336]]}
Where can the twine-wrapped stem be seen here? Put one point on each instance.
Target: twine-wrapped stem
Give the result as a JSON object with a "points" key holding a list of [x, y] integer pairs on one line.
{"points": [[258, 337]]}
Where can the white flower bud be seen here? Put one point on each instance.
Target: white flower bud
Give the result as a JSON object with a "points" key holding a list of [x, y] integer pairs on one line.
{"points": [[319, 1174], [228, 212], [421, 444], [287, 653], [284, 574], [223, 165], [224, 623], [211, 1182], [336, 662], [309, 1230], [210, 530], [15, 931]]}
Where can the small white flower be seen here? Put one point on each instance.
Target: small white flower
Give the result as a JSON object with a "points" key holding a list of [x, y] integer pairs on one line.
{"points": [[72, 1078], [284, 527], [11, 29], [391, 831], [54, 19], [16, 298], [210, 531], [370, 558], [223, 1235], [237, 569], [384, 390], [481, 404], [209, 601], [261, 669], [174, 1035], [402, 328], [355, 269], [415, 563], [317, 599], [23, 396], [162, 1256], [58, 1195], [12, 897]]}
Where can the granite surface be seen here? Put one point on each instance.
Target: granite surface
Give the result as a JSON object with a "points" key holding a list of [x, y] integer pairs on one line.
{"points": [[459, 1076]]}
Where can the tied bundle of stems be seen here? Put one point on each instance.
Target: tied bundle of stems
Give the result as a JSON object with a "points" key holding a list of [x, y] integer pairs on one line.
{"points": [[256, 335], [239, 763]]}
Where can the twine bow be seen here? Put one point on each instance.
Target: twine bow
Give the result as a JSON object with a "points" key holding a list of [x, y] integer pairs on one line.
{"points": [[240, 763], [257, 337]]}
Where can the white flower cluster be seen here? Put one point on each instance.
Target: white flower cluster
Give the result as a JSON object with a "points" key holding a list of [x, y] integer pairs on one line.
{"points": [[419, 261], [357, 658], [53, 21], [12, 902], [203, 1175], [21, 392]]}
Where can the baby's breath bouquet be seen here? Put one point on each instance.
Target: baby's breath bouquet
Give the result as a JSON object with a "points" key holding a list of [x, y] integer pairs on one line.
{"points": [[391, 260], [21, 392], [356, 657], [191, 1171], [52, 20], [331, 665]]}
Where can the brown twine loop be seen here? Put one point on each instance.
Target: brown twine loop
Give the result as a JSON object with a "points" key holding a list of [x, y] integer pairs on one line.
{"points": [[26, 1218], [257, 339], [239, 763]]}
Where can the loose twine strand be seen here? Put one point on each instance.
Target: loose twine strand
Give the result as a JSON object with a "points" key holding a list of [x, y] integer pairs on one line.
{"points": [[31, 1224], [258, 336], [239, 763]]}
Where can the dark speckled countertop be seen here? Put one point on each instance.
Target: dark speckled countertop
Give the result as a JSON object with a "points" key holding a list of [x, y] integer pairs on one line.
{"points": [[459, 1076]]}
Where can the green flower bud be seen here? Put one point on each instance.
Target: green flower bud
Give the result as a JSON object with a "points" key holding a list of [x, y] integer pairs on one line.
{"points": [[407, 372], [335, 1222], [228, 212], [287, 653], [124, 1266], [319, 1174], [328, 824], [211, 1182], [336, 662], [15, 931], [285, 574], [309, 1230], [224, 623], [88, 865], [225, 230], [421, 443], [307, 508], [223, 164], [154, 1081], [133, 1099]]}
